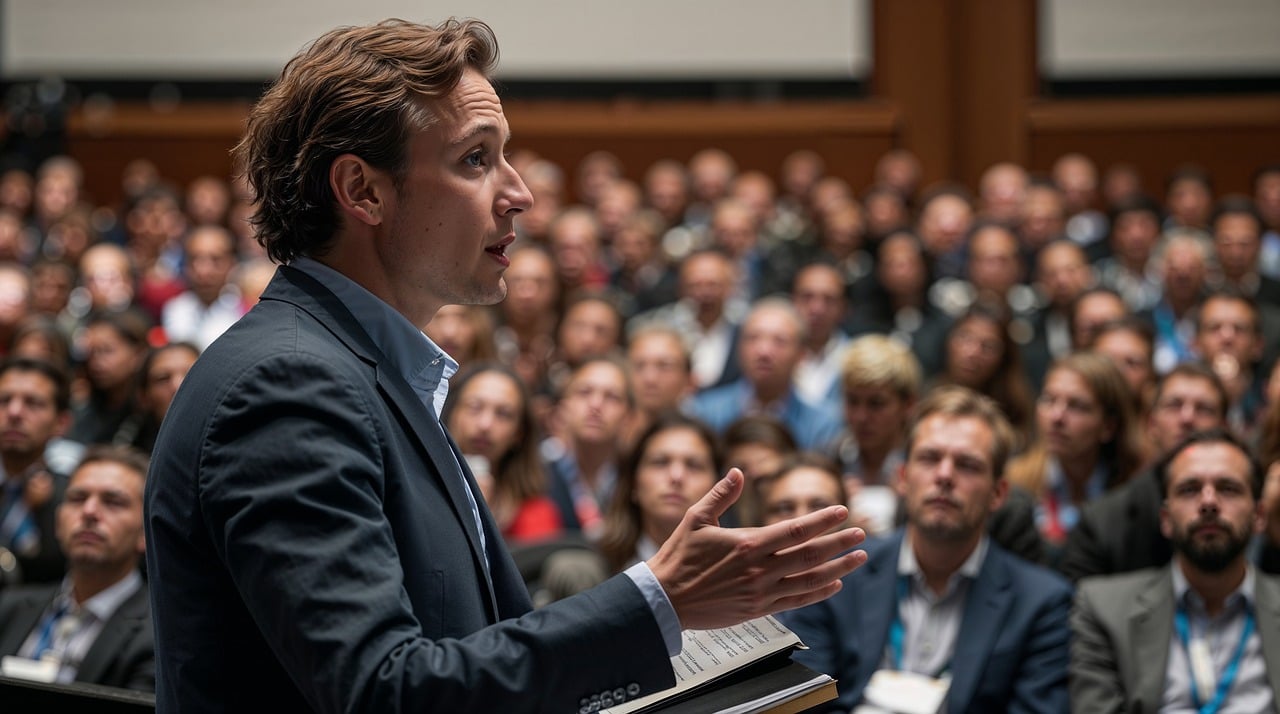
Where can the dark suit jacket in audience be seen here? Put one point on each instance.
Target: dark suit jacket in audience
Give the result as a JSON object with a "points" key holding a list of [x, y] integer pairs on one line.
{"points": [[1011, 651], [123, 655]]}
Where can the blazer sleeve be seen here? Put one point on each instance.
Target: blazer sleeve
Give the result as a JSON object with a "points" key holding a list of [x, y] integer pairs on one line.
{"points": [[1095, 673], [292, 481]]}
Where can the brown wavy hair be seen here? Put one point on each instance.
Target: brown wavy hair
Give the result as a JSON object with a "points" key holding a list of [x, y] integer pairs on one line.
{"points": [[356, 90]]}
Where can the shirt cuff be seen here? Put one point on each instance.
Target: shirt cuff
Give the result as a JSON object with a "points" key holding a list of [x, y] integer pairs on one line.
{"points": [[663, 612]]}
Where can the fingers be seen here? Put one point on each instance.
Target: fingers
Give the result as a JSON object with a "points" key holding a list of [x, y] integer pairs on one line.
{"points": [[722, 495], [817, 578], [794, 531]]}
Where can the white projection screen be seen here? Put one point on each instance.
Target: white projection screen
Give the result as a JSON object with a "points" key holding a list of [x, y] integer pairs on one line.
{"points": [[546, 39], [1159, 39]]}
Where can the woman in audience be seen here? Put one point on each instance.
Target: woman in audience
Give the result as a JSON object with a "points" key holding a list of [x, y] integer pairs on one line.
{"points": [[1087, 442], [113, 346], [39, 337], [489, 414], [675, 462], [980, 354], [806, 483]]}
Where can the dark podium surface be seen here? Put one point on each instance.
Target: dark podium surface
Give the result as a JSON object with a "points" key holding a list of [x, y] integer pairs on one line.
{"points": [[20, 695]]}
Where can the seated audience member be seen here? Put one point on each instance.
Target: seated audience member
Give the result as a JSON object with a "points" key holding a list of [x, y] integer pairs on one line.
{"points": [[1129, 344], [527, 337], [114, 346], [1087, 443], [946, 216], [1092, 309], [212, 301], [674, 464], [489, 415], [39, 337], [804, 484], [706, 315], [1184, 269], [15, 299], [1130, 270], [34, 411], [881, 382], [898, 302], [574, 242], [1120, 532], [1002, 193], [161, 374], [818, 294], [96, 626], [1188, 197], [51, 284], [1200, 634], [770, 347], [758, 444], [643, 278], [583, 453], [590, 327], [980, 354], [661, 376], [939, 599], [1237, 244], [464, 332], [1062, 274], [1229, 340]]}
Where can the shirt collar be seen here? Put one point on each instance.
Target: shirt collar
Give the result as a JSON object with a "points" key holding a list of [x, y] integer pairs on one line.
{"points": [[409, 352], [907, 564], [1185, 596], [103, 605]]}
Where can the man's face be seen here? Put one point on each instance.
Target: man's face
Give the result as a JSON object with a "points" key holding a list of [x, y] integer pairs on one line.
{"points": [[994, 263], [575, 244], [164, 376], [706, 280], [948, 484], [111, 360], [944, 223], [100, 518], [1071, 419], [1209, 511], [452, 219], [29, 415], [1184, 273], [1131, 355], [1237, 243], [659, 371], [770, 348], [1186, 405], [594, 404], [531, 280], [589, 329], [1134, 236], [819, 297], [734, 230], [799, 492], [209, 260], [1064, 273], [876, 415], [1092, 313], [1227, 328]]}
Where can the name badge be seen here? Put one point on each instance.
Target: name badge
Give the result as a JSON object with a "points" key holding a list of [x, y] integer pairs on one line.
{"points": [[893, 691], [1202, 666], [35, 670]]}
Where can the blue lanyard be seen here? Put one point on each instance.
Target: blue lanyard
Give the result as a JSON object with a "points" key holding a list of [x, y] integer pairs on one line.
{"points": [[1228, 675]]}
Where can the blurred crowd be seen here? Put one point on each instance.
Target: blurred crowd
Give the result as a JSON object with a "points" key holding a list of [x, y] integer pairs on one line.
{"points": [[661, 328]]}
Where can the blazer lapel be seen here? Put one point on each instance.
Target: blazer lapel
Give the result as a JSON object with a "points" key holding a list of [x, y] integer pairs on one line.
{"points": [[1267, 596], [126, 621], [879, 598], [26, 613], [1150, 631], [989, 599], [298, 288]]}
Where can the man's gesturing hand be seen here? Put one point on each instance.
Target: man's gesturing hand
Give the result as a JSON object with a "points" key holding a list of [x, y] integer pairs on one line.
{"points": [[717, 577]]}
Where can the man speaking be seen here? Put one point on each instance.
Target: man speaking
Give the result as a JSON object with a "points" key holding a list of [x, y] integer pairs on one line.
{"points": [[315, 541]]}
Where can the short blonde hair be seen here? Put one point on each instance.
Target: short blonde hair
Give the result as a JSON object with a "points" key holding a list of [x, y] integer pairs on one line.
{"points": [[881, 361]]}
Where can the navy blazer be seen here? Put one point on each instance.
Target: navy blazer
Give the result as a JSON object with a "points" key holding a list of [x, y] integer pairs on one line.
{"points": [[1011, 652], [311, 546], [122, 655]]}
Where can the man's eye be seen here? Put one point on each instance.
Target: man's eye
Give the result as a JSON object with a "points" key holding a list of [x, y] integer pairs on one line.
{"points": [[475, 159]]}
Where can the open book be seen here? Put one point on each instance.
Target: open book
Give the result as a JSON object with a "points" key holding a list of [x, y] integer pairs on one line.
{"points": [[745, 669]]}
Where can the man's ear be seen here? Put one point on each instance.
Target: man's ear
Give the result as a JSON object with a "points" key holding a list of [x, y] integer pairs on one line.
{"points": [[361, 190]]}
